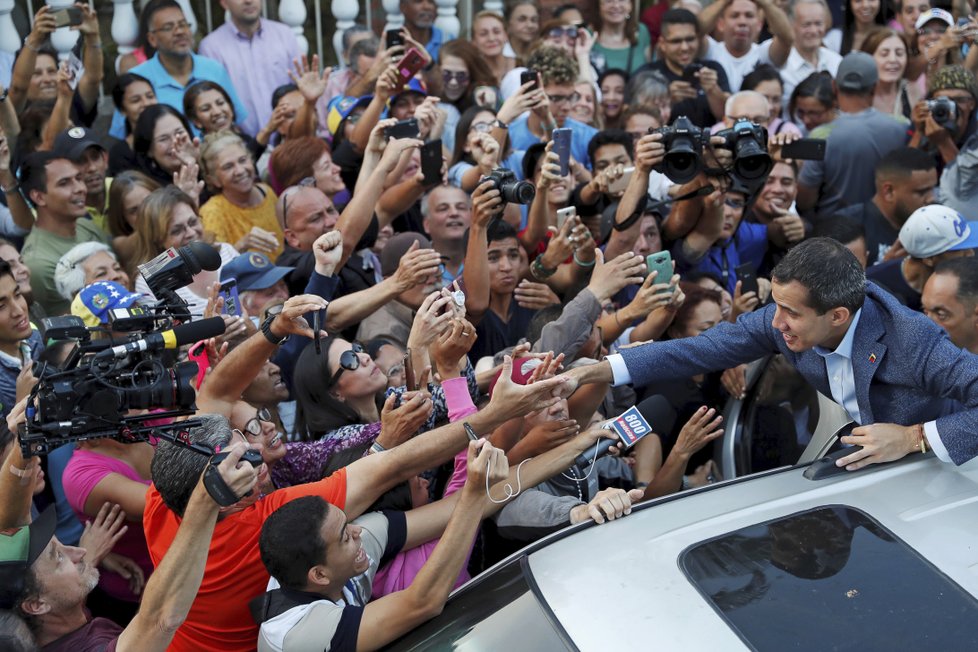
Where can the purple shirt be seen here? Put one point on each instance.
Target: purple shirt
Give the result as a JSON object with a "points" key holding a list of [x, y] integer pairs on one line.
{"points": [[257, 65]]}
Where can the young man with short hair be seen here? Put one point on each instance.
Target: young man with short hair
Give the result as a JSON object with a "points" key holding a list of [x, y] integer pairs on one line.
{"points": [[15, 332], [79, 145]]}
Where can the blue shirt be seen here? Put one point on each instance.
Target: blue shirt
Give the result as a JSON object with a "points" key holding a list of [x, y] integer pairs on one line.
{"points": [[520, 137], [169, 91], [838, 366], [437, 38], [748, 245]]}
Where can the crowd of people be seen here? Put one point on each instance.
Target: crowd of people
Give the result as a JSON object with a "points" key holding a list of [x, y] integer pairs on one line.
{"points": [[445, 265]]}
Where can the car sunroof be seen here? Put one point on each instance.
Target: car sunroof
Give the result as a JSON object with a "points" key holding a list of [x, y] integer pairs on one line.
{"points": [[830, 578]]}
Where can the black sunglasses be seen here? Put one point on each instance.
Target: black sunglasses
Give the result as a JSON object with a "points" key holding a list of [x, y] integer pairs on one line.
{"points": [[349, 361]]}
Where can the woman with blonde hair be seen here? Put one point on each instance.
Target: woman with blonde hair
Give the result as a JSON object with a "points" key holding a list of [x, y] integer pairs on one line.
{"points": [[890, 49], [126, 194], [241, 210], [489, 37]]}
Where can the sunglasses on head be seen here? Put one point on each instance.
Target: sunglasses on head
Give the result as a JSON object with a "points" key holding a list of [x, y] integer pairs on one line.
{"points": [[349, 361]]}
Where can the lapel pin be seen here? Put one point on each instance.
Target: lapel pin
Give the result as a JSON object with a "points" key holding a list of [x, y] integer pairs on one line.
{"points": [[872, 357]]}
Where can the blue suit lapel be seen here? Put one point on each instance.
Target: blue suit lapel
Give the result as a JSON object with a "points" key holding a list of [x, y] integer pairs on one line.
{"points": [[867, 356]]}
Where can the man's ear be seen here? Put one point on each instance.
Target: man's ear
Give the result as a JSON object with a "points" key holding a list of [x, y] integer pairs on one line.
{"points": [[37, 197], [318, 576], [291, 239], [35, 606], [885, 190], [840, 315]]}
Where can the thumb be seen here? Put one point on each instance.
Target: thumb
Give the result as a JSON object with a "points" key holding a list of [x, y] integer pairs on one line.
{"points": [[598, 257], [389, 404], [234, 456], [636, 494]]}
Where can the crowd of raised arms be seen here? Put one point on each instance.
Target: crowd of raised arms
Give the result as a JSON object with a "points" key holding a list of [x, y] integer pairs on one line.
{"points": [[488, 231]]}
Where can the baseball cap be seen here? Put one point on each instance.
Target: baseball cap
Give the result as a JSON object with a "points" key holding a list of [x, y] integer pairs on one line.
{"points": [[934, 14], [94, 301], [935, 229], [254, 271], [340, 108], [413, 86], [397, 247], [19, 549], [72, 143], [857, 72]]}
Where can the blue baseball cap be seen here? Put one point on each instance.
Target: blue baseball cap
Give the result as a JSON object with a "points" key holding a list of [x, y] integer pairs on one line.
{"points": [[254, 271], [340, 108], [94, 301], [413, 86]]}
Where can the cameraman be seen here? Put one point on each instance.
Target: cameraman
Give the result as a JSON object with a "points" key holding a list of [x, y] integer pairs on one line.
{"points": [[958, 85], [47, 582]]}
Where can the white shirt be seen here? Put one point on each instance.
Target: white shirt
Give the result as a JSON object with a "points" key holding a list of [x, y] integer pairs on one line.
{"points": [[796, 69], [738, 67]]}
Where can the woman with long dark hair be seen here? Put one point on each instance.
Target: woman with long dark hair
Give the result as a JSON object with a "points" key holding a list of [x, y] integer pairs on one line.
{"points": [[813, 102], [162, 142], [131, 95], [622, 41]]}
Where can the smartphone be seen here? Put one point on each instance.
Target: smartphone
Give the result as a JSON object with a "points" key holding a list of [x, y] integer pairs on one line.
{"points": [[317, 324], [69, 16], [805, 149], [229, 290], [747, 277], [565, 214], [528, 76], [410, 65], [404, 129], [660, 262], [689, 74], [393, 37], [409, 380], [562, 145], [431, 162], [619, 184]]}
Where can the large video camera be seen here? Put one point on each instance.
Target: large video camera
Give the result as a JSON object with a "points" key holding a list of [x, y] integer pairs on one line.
{"points": [[103, 378]]}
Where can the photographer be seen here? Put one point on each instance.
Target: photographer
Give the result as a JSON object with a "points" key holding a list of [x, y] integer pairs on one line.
{"points": [[47, 582], [946, 119]]}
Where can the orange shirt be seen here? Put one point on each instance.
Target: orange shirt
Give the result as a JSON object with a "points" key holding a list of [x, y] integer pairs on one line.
{"points": [[219, 619]]}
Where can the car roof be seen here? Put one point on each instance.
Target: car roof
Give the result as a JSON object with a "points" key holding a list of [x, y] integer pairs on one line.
{"points": [[622, 581]]}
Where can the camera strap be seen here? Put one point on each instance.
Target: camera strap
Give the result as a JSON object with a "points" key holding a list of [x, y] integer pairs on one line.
{"points": [[215, 484], [702, 191]]}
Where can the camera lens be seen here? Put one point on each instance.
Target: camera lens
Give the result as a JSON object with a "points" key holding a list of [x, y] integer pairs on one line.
{"points": [[521, 192]]}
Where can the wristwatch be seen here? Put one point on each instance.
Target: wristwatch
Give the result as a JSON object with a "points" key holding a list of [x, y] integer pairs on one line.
{"points": [[499, 124], [266, 326]]}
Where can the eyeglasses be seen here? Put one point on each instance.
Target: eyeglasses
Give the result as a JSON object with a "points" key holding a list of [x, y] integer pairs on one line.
{"points": [[482, 127], [756, 119], [557, 33], [166, 139], [564, 99], [253, 427], [190, 225], [460, 76], [172, 27], [736, 204], [349, 361]]}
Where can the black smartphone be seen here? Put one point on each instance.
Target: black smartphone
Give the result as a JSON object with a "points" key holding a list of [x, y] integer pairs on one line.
{"points": [[393, 37], [431, 162], [747, 277], [404, 129], [317, 324], [69, 16], [528, 76], [689, 74], [805, 149], [562, 146]]}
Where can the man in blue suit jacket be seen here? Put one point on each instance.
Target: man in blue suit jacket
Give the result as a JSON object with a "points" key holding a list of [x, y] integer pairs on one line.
{"points": [[890, 367]]}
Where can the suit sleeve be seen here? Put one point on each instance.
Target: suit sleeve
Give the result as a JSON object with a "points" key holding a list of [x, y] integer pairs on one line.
{"points": [[952, 373]]}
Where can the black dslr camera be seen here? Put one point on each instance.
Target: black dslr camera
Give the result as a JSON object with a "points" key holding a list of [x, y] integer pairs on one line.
{"points": [[513, 190], [684, 146], [944, 111], [748, 142]]}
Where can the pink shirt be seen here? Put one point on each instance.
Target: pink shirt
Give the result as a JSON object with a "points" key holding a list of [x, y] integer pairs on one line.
{"points": [[84, 471]]}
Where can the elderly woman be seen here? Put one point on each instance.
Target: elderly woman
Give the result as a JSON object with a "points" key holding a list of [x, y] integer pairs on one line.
{"points": [[241, 210], [84, 264]]}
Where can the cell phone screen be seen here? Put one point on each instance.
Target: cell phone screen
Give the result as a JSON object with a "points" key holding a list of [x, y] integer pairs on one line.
{"points": [[431, 162]]}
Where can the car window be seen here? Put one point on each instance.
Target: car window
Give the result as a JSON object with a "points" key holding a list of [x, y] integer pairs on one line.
{"points": [[498, 611], [808, 580]]}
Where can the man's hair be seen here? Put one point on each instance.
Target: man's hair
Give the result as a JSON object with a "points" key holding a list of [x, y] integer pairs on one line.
{"points": [[902, 162], [500, 229], [540, 320], [610, 137], [824, 5], [966, 270], [554, 65], [176, 469], [33, 173], [366, 47], [839, 228], [290, 542], [679, 17], [154, 6], [69, 277], [743, 95], [15, 636], [829, 271]]}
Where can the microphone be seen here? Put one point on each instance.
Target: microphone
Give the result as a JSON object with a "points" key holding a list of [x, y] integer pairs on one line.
{"points": [[168, 339], [630, 426], [201, 255]]}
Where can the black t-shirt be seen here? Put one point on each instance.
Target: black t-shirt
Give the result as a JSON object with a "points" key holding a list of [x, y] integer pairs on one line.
{"points": [[889, 276], [698, 109], [493, 334], [880, 234]]}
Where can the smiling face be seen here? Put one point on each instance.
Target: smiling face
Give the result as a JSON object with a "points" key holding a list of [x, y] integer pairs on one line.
{"points": [[137, 96], [327, 175], [800, 325], [345, 555], [21, 272], [489, 36], [455, 77], [232, 171], [165, 132], [64, 197], [891, 59], [780, 190], [864, 11], [583, 109], [268, 440], [185, 227], [170, 33], [15, 324], [449, 215], [679, 45], [102, 266], [212, 112], [612, 95], [614, 12], [810, 25], [44, 79]]}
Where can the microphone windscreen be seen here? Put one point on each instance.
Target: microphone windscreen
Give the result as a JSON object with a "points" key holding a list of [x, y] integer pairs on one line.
{"points": [[207, 256], [198, 330]]}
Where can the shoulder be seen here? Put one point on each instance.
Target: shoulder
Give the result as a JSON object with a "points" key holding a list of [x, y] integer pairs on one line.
{"points": [[206, 65], [580, 127]]}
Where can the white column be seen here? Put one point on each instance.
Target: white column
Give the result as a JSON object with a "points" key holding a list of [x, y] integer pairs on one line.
{"points": [[62, 39], [188, 13], [293, 14], [345, 12], [125, 28], [447, 20], [493, 5], [9, 38], [395, 18]]}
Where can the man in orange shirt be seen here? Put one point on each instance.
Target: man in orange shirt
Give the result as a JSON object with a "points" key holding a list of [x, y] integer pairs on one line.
{"points": [[219, 619]]}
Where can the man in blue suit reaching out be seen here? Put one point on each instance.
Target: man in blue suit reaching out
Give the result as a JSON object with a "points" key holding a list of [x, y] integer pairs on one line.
{"points": [[890, 368]]}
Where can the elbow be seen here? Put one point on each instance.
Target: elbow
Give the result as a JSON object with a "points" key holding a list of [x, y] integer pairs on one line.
{"points": [[171, 620]]}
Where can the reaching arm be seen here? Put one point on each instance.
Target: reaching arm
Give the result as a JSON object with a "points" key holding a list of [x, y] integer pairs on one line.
{"points": [[780, 28], [710, 15], [649, 152], [20, 79], [91, 57], [486, 203]]}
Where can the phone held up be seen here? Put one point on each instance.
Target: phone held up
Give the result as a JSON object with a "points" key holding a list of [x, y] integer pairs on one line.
{"points": [[232, 304], [660, 262]]}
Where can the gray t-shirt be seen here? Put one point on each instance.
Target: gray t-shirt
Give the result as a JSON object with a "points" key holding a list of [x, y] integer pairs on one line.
{"points": [[855, 142], [302, 621], [42, 251]]}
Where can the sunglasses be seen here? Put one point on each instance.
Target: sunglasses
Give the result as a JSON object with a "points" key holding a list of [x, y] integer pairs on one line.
{"points": [[253, 427], [460, 76], [349, 361], [560, 32]]}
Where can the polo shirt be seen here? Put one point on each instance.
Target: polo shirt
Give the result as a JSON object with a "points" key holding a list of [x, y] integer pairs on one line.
{"points": [[521, 138], [434, 44], [42, 251], [219, 619], [257, 65]]}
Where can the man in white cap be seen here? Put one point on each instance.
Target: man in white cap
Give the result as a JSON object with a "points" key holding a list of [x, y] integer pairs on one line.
{"points": [[930, 235]]}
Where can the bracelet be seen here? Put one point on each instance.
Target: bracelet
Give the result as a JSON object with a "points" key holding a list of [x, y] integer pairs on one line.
{"points": [[921, 440], [11, 189], [538, 271], [581, 263], [30, 47], [377, 448]]}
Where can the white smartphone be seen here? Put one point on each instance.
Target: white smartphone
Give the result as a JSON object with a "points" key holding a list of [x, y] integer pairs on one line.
{"points": [[619, 184], [563, 214]]}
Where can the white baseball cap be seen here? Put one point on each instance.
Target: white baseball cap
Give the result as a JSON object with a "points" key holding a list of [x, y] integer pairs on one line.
{"points": [[935, 229], [934, 14]]}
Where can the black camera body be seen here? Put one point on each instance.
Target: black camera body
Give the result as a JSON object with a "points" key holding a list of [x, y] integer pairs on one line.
{"points": [[748, 142], [684, 149], [944, 111], [512, 190]]}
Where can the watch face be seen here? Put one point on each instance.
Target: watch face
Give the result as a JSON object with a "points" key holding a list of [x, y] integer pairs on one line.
{"points": [[272, 311]]}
